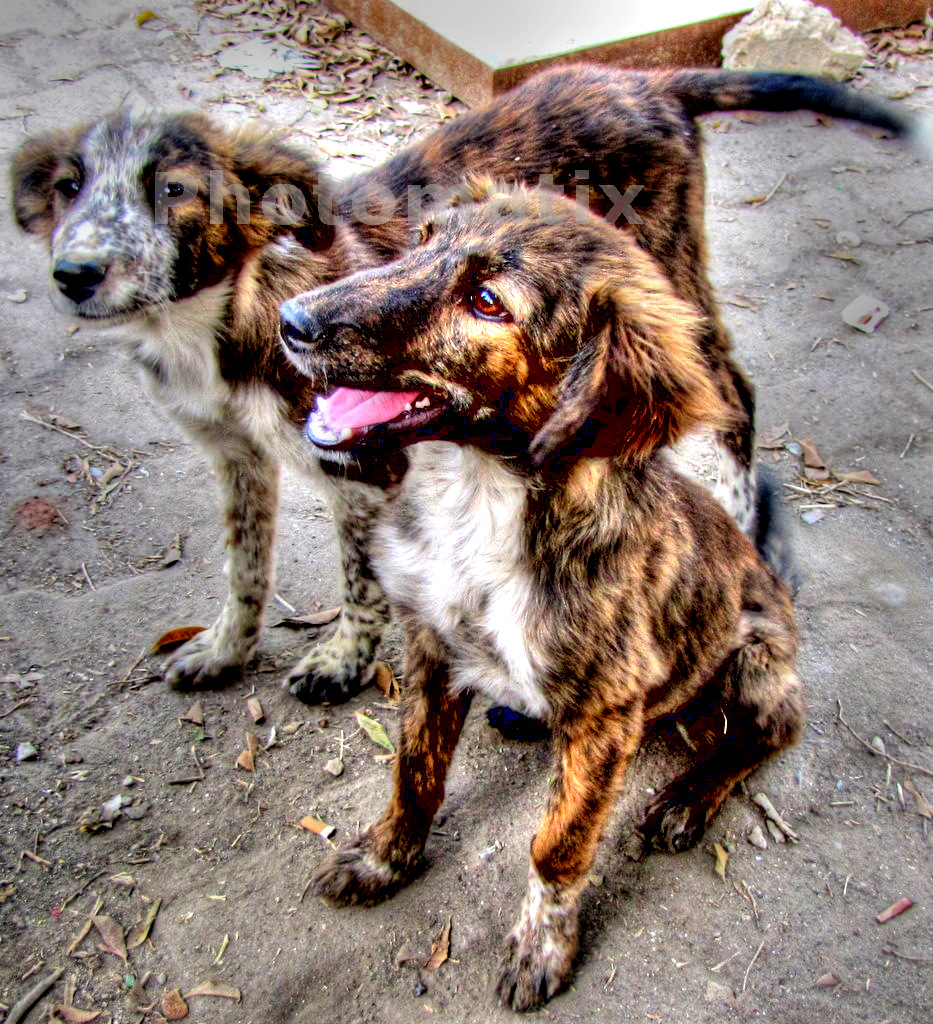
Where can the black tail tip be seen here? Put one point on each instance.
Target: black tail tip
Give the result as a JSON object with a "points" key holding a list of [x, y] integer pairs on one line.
{"points": [[773, 530]]}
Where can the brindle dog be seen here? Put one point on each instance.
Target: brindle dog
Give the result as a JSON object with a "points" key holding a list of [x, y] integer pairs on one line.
{"points": [[551, 557], [166, 225]]}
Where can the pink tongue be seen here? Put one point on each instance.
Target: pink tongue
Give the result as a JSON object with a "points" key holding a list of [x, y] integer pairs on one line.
{"points": [[351, 408]]}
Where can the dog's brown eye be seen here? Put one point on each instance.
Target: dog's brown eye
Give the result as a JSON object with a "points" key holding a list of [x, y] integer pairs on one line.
{"points": [[173, 190], [68, 187], [488, 305]]}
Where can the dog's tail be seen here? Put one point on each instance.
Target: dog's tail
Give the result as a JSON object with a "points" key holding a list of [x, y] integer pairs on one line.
{"points": [[772, 528], [703, 92]]}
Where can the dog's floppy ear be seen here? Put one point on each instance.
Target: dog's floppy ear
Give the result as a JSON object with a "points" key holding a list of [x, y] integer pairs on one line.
{"points": [[271, 169], [32, 175], [638, 381]]}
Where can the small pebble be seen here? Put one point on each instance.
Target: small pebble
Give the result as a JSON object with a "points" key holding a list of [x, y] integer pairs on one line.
{"points": [[334, 767], [128, 780], [877, 744], [849, 238], [18, 297], [26, 752], [890, 594], [419, 989], [757, 838]]}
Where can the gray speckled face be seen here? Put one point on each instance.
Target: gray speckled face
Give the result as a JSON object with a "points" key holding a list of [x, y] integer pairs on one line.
{"points": [[110, 256]]}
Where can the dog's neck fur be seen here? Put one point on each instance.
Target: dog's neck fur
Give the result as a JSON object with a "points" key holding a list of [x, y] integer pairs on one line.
{"points": [[472, 538]]}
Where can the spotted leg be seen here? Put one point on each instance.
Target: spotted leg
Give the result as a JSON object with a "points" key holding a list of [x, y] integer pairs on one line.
{"points": [[248, 479], [338, 669]]}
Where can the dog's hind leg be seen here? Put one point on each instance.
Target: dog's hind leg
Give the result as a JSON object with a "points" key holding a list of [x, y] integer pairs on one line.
{"points": [[388, 855], [735, 489], [249, 481], [338, 669], [759, 700], [592, 751]]}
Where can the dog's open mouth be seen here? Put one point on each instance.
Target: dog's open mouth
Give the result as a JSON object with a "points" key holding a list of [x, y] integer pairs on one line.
{"points": [[350, 418]]}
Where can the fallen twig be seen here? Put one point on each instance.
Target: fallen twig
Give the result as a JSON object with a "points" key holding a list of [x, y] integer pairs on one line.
{"points": [[761, 946], [67, 433], [922, 380], [87, 577], [193, 778], [81, 889], [771, 813], [20, 1008], [878, 753], [88, 925], [770, 195]]}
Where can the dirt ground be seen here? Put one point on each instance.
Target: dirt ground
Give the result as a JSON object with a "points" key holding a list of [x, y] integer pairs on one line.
{"points": [[97, 566]]}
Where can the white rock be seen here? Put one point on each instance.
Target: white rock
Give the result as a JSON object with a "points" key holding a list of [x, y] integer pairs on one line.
{"points": [[793, 35]]}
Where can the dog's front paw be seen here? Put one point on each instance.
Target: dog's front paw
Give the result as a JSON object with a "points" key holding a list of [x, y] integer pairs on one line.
{"points": [[673, 823], [356, 877], [206, 660], [335, 671], [535, 964], [537, 959]]}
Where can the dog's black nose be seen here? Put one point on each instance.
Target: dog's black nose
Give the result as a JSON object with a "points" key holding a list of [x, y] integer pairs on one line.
{"points": [[299, 329], [78, 281]]}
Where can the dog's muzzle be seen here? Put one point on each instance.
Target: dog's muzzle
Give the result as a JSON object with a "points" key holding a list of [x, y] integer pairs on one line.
{"points": [[78, 281]]}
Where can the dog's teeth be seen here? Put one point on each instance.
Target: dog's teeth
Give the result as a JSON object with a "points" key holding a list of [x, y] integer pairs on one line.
{"points": [[407, 407], [423, 403], [344, 434]]}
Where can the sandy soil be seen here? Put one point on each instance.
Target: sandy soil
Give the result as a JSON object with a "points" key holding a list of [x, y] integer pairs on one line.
{"points": [[789, 934]]}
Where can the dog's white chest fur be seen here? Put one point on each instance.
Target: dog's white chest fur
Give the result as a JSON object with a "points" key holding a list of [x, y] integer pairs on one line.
{"points": [[451, 552]]}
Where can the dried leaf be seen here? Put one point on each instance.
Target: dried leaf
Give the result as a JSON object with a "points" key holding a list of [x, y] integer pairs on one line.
{"points": [[749, 116], [145, 16], [175, 638], [174, 1006], [924, 807], [111, 931], [114, 470], [218, 989], [773, 437], [65, 424], [75, 1015], [826, 981], [172, 554], [317, 826], [194, 714], [246, 761], [255, 709], [440, 948], [895, 910], [743, 302], [722, 859], [846, 256], [140, 931], [375, 731], [312, 619], [811, 457], [386, 682], [860, 476], [252, 743]]}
